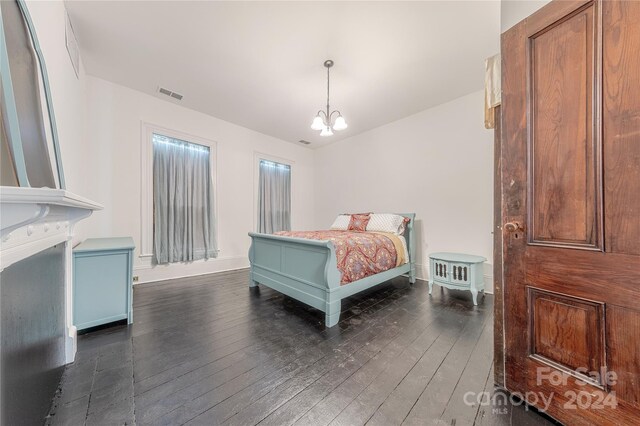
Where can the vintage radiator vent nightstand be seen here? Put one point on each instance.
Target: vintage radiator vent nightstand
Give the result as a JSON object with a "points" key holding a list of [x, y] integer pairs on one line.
{"points": [[457, 271]]}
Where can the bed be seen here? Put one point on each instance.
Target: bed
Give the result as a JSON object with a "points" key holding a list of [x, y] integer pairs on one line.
{"points": [[307, 269]]}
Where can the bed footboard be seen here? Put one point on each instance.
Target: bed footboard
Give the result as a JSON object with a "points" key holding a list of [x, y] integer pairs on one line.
{"points": [[303, 269]]}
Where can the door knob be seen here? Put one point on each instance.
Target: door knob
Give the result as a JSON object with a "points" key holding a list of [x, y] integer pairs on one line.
{"points": [[512, 226]]}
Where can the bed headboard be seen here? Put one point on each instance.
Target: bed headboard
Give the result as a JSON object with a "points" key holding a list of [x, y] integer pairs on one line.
{"points": [[410, 236]]}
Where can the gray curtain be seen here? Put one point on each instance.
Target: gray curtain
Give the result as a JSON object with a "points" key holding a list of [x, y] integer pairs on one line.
{"points": [[184, 225], [274, 197]]}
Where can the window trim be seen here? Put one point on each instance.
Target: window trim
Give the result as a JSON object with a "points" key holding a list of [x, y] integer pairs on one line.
{"points": [[146, 179], [257, 157]]}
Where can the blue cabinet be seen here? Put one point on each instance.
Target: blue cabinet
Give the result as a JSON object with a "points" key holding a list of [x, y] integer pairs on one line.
{"points": [[457, 271], [102, 279]]}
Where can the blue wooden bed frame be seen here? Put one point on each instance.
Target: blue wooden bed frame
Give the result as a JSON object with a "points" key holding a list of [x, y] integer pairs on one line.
{"points": [[307, 270]]}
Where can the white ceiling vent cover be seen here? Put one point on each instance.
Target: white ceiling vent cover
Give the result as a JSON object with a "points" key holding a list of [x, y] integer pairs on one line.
{"points": [[302, 141], [168, 92]]}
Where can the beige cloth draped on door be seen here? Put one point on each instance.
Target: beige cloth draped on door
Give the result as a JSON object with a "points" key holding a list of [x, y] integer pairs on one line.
{"points": [[491, 90]]}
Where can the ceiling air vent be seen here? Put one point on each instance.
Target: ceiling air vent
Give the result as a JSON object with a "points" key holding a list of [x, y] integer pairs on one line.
{"points": [[303, 142], [168, 92]]}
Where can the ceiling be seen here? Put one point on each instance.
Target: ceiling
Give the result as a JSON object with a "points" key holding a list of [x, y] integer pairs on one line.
{"points": [[260, 64]]}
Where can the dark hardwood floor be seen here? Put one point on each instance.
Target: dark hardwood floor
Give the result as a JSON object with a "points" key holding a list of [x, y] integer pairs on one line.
{"points": [[208, 350]]}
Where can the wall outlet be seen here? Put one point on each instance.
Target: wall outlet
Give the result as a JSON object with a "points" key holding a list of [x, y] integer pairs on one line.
{"points": [[135, 278]]}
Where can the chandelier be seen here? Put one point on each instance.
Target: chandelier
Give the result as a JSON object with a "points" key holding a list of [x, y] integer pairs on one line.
{"points": [[323, 120]]}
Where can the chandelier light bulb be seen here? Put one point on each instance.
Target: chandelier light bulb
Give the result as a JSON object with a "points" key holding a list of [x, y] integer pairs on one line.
{"points": [[340, 123], [318, 123], [326, 131]]}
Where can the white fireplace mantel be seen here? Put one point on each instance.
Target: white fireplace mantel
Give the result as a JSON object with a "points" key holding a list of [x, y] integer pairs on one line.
{"points": [[34, 219]]}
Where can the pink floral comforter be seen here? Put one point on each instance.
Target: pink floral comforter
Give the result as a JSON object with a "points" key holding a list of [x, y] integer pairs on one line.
{"points": [[360, 254]]}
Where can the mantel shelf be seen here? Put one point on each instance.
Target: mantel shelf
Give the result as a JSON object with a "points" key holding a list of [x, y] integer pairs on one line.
{"points": [[34, 219]]}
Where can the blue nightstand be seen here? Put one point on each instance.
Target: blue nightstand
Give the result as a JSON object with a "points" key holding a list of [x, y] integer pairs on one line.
{"points": [[457, 271], [102, 279]]}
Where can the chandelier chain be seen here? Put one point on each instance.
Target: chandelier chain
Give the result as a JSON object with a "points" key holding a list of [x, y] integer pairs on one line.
{"points": [[328, 115]]}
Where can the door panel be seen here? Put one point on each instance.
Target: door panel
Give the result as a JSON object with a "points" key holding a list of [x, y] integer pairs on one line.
{"points": [[563, 145], [570, 138], [621, 98], [566, 331]]}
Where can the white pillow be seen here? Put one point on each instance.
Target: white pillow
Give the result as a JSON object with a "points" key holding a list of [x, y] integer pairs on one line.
{"points": [[385, 222], [341, 222]]}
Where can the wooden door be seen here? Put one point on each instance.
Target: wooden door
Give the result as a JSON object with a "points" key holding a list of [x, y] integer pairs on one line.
{"points": [[571, 210]]}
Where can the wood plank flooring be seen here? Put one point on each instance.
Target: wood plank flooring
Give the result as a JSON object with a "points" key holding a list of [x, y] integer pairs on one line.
{"points": [[208, 350]]}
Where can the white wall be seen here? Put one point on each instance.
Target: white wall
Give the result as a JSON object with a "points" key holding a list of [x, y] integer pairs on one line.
{"points": [[99, 127], [114, 118], [442, 168], [437, 163], [514, 11], [84, 169]]}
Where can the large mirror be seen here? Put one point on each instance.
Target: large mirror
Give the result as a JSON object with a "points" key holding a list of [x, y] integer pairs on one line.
{"points": [[29, 146]]}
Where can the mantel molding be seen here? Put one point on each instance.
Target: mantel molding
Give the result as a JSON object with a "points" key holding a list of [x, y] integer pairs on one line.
{"points": [[34, 219]]}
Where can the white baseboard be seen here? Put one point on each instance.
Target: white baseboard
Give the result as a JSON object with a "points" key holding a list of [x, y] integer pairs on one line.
{"points": [[70, 344], [488, 284], [147, 272]]}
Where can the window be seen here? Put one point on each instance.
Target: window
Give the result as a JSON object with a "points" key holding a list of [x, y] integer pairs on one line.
{"points": [[183, 213], [274, 197]]}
